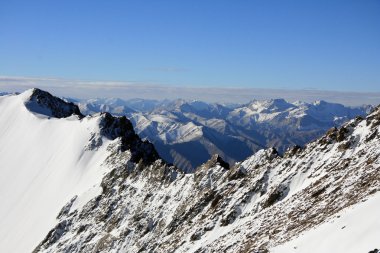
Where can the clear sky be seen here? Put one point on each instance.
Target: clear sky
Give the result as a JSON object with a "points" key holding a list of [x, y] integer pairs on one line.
{"points": [[292, 44]]}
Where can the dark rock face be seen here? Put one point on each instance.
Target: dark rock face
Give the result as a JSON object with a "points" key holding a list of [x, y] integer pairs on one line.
{"points": [[44, 103], [291, 151], [217, 160], [115, 127]]}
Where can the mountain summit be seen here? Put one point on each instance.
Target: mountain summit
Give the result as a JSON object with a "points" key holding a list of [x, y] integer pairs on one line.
{"points": [[42, 102]]}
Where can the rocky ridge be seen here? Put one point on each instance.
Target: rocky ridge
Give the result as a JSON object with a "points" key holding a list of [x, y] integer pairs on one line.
{"points": [[43, 102]]}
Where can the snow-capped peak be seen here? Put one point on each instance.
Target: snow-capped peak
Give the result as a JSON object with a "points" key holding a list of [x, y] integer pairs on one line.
{"points": [[42, 102], [271, 105]]}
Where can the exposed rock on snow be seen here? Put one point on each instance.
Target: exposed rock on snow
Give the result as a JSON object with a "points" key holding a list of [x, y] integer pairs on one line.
{"points": [[47, 159], [120, 127], [42, 102]]}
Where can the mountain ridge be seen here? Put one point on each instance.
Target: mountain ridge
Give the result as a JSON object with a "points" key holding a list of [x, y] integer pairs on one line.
{"points": [[48, 158]]}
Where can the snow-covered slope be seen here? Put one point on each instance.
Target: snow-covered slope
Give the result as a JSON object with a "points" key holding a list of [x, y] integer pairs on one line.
{"points": [[49, 153], [355, 229], [255, 206]]}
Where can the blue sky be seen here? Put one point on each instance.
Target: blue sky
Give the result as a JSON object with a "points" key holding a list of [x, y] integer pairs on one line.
{"points": [[284, 44]]}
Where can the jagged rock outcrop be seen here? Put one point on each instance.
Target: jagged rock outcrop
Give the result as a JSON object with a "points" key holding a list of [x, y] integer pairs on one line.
{"points": [[120, 127], [43, 102], [253, 206]]}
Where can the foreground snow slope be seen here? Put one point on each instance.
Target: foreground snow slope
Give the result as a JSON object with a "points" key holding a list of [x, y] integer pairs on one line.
{"points": [[45, 161], [353, 230], [43, 164]]}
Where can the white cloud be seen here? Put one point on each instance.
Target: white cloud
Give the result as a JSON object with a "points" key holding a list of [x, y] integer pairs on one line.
{"points": [[126, 90]]}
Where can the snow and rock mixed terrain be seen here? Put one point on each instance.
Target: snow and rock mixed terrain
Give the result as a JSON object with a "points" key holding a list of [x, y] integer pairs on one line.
{"points": [[49, 152], [89, 184], [188, 133]]}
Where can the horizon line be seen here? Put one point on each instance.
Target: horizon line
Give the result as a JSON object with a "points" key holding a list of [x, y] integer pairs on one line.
{"points": [[77, 88]]}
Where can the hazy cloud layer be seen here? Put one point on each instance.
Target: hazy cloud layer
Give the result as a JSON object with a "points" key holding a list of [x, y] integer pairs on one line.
{"points": [[126, 90]]}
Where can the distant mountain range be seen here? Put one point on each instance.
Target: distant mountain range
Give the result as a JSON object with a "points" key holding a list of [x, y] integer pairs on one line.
{"points": [[188, 133]]}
